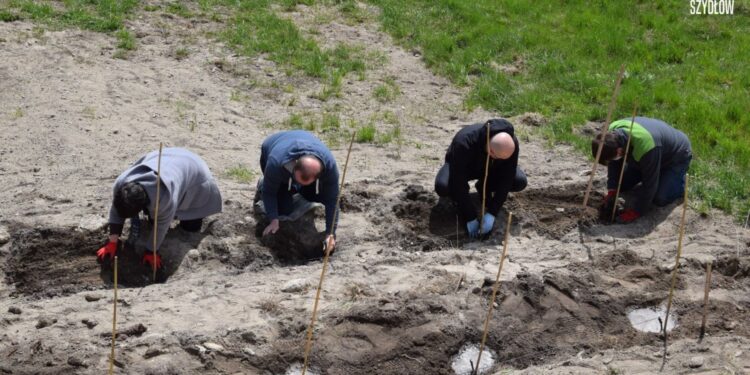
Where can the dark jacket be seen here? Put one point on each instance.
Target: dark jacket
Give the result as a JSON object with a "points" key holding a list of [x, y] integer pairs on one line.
{"points": [[284, 147], [655, 146], [467, 156]]}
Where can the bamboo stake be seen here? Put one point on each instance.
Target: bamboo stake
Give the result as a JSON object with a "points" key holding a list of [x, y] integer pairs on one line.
{"points": [[156, 209], [604, 131], [484, 184], [674, 272], [308, 344], [114, 325], [706, 290], [494, 292], [624, 161]]}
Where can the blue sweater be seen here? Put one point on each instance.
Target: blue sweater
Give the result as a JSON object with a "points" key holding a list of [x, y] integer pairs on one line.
{"points": [[284, 147]]}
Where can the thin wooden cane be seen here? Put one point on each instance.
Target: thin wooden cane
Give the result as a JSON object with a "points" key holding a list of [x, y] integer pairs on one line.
{"points": [[605, 127], [706, 290], [308, 344], [114, 325], [674, 271], [156, 209], [624, 161], [484, 183], [494, 293]]}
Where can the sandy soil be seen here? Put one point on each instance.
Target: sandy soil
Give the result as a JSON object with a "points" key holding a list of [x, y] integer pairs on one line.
{"points": [[403, 293]]}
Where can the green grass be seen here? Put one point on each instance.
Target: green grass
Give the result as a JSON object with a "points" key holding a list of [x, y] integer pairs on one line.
{"points": [[366, 133], [180, 9], [181, 53], [95, 15], [125, 40], [241, 174], [387, 92], [255, 30], [683, 69]]}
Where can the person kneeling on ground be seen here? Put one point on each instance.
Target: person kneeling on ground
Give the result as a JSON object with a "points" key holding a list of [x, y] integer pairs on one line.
{"points": [[659, 158], [297, 162], [465, 161], [188, 193]]}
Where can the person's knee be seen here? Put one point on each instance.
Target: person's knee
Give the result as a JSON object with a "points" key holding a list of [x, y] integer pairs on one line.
{"points": [[664, 199], [441, 189], [519, 183], [442, 181]]}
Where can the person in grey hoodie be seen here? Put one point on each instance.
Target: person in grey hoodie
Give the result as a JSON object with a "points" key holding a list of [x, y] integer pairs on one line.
{"points": [[188, 193], [297, 162]]}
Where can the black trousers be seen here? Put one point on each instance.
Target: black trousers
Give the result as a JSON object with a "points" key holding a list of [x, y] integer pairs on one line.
{"points": [[442, 182]]}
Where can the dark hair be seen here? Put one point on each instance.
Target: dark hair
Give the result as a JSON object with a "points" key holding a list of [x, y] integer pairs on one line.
{"points": [[130, 199], [609, 150], [306, 174]]}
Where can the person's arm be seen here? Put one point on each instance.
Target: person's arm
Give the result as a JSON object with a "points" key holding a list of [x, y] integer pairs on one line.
{"points": [[116, 222], [459, 184], [613, 173], [271, 184], [331, 191], [504, 178], [167, 211], [650, 166]]}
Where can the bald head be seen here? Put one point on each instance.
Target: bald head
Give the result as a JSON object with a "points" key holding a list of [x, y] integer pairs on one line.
{"points": [[502, 146], [307, 170]]}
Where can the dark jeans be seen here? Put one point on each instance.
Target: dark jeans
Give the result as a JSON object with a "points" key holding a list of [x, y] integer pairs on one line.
{"points": [[442, 182], [671, 182]]}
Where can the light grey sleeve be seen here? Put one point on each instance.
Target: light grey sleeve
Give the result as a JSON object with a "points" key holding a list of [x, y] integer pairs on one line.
{"points": [[167, 211]]}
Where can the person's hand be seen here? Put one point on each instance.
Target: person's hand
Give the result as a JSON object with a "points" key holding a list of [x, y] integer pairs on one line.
{"points": [[148, 258], [488, 221], [472, 228], [330, 243], [609, 198], [109, 249], [628, 216], [272, 228]]}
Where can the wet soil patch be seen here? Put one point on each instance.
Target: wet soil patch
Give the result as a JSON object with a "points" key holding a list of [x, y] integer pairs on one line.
{"points": [[52, 262], [554, 211]]}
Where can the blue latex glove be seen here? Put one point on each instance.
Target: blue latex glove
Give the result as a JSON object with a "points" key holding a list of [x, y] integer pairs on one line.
{"points": [[473, 228], [487, 223]]}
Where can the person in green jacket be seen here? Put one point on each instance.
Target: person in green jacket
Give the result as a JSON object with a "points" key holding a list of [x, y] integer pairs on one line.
{"points": [[658, 159]]}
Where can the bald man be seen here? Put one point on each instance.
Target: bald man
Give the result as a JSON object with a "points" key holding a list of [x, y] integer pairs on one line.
{"points": [[465, 161], [297, 162]]}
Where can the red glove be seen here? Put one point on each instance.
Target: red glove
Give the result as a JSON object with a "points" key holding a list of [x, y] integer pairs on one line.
{"points": [[148, 257], [610, 195], [628, 216], [109, 249]]}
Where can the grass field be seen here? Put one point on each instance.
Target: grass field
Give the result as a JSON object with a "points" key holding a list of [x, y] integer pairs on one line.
{"points": [[558, 58], [687, 70]]}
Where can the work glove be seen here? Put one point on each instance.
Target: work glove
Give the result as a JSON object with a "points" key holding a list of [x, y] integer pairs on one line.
{"points": [[628, 216], [472, 228], [488, 221], [148, 258], [109, 249], [609, 199]]}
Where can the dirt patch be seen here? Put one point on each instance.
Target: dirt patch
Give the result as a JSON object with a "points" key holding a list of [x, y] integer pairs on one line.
{"points": [[554, 211], [53, 261], [581, 307]]}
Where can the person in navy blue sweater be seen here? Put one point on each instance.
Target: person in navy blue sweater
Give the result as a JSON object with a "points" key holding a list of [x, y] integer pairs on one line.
{"points": [[297, 162]]}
